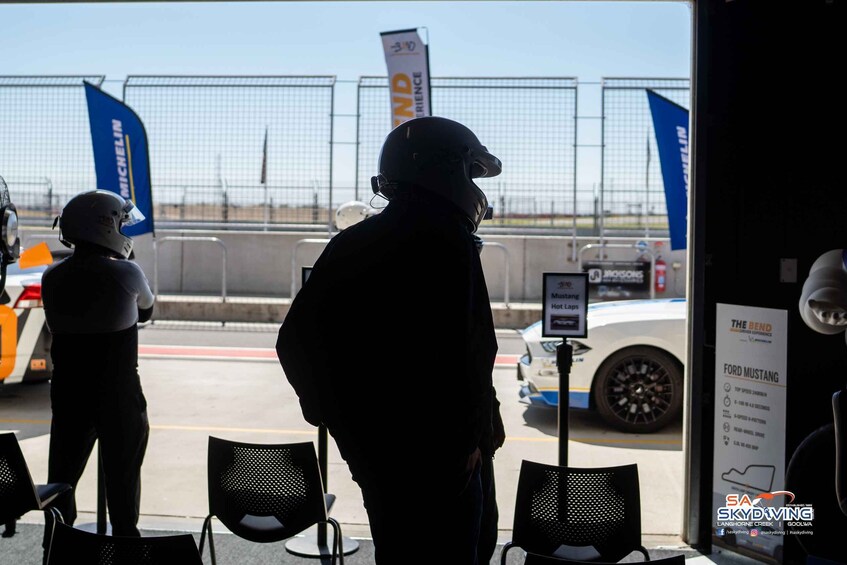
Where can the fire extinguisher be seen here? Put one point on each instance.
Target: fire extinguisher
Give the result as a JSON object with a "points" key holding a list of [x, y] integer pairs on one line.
{"points": [[661, 269]]}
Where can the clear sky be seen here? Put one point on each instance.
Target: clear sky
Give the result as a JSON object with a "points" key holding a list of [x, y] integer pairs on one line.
{"points": [[587, 40], [584, 39]]}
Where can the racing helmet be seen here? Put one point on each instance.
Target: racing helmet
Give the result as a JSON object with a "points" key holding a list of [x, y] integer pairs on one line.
{"points": [[351, 213], [97, 217], [441, 156]]}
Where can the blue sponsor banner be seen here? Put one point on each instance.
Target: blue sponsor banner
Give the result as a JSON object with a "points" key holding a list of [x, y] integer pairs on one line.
{"points": [[121, 158], [670, 122]]}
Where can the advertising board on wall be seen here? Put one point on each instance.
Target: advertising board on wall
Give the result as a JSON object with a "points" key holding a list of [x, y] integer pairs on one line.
{"points": [[618, 279], [752, 511]]}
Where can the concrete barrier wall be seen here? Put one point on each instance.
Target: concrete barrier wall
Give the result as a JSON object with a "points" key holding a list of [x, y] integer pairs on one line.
{"points": [[260, 263]]}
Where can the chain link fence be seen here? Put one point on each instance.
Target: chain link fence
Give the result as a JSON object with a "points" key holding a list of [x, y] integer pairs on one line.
{"points": [[632, 197], [257, 152], [45, 154], [253, 151], [529, 123]]}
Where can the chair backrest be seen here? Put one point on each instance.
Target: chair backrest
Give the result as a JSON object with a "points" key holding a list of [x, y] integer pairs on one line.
{"points": [[580, 514], [533, 559], [265, 492], [76, 547], [17, 492]]}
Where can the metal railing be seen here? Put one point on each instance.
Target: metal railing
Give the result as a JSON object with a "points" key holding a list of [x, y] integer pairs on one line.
{"points": [[506, 267], [315, 241], [300, 243], [159, 241]]}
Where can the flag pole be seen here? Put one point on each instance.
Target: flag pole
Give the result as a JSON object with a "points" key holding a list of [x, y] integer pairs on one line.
{"points": [[647, 191], [264, 180]]}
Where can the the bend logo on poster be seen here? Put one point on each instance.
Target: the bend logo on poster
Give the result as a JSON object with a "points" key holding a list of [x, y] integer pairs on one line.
{"points": [[752, 331]]}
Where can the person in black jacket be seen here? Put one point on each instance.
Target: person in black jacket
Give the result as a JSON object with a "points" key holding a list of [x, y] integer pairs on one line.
{"points": [[392, 335], [93, 301]]}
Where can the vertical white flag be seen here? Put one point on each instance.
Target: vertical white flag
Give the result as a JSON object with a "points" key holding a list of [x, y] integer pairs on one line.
{"points": [[407, 58]]}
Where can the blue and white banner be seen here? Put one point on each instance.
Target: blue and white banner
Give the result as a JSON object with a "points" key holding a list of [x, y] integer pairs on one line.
{"points": [[670, 122], [121, 157], [407, 58]]}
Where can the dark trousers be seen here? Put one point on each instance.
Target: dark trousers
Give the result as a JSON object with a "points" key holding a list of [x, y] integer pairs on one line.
{"points": [[123, 441], [401, 514], [490, 513]]}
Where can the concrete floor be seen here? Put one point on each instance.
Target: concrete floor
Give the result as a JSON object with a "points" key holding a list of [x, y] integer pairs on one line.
{"points": [[192, 398]]}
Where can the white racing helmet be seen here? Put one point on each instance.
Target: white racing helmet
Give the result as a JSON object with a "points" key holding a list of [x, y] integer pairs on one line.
{"points": [[823, 301], [440, 156], [351, 213], [97, 217]]}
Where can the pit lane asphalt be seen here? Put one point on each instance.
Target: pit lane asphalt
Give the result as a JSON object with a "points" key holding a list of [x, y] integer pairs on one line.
{"points": [[193, 396]]}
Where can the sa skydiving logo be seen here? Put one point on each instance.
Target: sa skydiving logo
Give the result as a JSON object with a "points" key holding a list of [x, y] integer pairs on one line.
{"points": [[743, 509]]}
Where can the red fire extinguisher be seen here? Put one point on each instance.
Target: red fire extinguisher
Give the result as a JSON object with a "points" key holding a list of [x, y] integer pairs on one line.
{"points": [[661, 269]]}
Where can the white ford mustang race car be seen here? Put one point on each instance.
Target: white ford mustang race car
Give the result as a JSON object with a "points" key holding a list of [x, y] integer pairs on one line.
{"points": [[629, 368]]}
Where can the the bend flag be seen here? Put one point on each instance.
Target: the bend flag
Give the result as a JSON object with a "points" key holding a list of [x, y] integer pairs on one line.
{"points": [[670, 122], [121, 157], [407, 58]]}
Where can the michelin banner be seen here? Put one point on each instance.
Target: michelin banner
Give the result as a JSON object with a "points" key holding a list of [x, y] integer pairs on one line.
{"points": [[121, 158], [670, 122], [407, 58]]}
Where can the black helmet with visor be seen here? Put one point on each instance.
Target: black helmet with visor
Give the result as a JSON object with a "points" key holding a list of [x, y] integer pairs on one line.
{"points": [[440, 156]]}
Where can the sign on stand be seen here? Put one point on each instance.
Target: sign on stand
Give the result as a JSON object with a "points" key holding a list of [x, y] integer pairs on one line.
{"points": [[565, 311], [565, 305]]}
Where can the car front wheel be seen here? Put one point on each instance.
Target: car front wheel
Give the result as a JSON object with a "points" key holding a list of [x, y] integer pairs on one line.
{"points": [[639, 389]]}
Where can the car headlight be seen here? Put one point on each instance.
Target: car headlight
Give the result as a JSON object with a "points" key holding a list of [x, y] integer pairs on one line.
{"points": [[579, 348], [550, 346]]}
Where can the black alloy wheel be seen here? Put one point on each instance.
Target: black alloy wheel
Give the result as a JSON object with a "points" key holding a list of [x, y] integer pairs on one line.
{"points": [[639, 389]]}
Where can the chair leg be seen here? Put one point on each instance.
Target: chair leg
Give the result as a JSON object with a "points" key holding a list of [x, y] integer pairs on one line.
{"points": [[203, 534], [337, 542], [56, 517], [506, 548], [643, 550], [207, 525]]}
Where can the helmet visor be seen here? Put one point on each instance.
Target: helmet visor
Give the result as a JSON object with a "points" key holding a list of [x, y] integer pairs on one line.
{"points": [[132, 215], [485, 165]]}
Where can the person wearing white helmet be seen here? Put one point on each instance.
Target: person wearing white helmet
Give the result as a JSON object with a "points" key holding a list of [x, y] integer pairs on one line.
{"points": [[93, 301], [351, 213], [418, 261]]}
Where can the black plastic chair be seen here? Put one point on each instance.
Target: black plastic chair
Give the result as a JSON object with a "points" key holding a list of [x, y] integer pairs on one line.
{"points": [[533, 559], [18, 494], [266, 493], [577, 514], [76, 547]]}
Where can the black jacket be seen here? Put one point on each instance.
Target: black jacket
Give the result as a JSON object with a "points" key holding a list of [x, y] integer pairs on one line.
{"points": [[393, 333]]}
